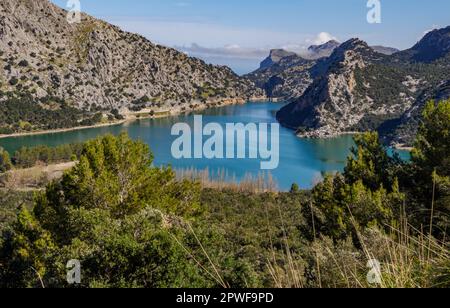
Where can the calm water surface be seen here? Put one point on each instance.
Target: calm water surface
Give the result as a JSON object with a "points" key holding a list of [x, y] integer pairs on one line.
{"points": [[301, 161]]}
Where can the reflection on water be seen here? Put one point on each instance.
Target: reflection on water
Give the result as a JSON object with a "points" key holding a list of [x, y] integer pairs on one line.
{"points": [[301, 161]]}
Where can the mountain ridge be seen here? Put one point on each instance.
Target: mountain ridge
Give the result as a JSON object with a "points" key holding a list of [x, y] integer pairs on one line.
{"points": [[96, 67], [359, 89], [289, 74]]}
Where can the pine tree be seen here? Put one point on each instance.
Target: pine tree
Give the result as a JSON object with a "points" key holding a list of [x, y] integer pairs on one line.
{"points": [[5, 161]]}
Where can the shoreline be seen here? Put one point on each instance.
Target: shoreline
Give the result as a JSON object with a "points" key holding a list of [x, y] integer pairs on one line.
{"points": [[61, 130], [144, 115], [398, 147], [131, 117], [402, 147]]}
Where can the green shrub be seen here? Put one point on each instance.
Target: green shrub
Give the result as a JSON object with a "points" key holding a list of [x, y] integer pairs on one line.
{"points": [[5, 161]]}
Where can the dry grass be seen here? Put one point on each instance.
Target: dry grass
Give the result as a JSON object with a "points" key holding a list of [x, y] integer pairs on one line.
{"points": [[33, 178], [262, 183], [408, 258]]}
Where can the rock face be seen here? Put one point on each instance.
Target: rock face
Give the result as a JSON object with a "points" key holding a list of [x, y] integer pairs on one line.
{"points": [[330, 105], [286, 78], [359, 89], [276, 55], [93, 65], [324, 50], [402, 131]]}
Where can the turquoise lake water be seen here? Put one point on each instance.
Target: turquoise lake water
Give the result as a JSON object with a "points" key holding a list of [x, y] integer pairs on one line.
{"points": [[302, 161]]}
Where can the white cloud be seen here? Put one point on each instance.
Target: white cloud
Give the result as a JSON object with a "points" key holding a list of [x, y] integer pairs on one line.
{"points": [[323, 37], [205, 40], [182, 33], [229, 51], [235, 51]]}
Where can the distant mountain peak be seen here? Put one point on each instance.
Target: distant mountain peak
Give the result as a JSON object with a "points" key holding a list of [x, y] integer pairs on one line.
{"points": [[281, 53], [330, 44], [434, 45], [352, 52], [353, 43], [385, 50], [323, 50], [275, 56]]}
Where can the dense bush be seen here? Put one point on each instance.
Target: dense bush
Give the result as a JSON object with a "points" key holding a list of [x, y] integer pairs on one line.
{"points": [[375, 188], [10, 204], [111, 209], [428, 178], [5, 161]]}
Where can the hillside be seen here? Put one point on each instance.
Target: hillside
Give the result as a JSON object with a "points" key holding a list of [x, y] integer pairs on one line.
{"points": [[283, 74], [286, 75], [94, 67], [359, 89]]}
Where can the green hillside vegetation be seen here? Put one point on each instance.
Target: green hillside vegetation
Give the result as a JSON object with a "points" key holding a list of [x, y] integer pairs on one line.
{"points": [[27, 157], [133, 225], [22, 113], [5, 161]]}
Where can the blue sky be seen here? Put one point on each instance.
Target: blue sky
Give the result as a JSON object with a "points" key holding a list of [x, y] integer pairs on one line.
{"points": [[239, 33]]}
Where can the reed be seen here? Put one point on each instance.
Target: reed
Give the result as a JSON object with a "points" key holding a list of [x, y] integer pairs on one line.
{"points": [[222, 179]]}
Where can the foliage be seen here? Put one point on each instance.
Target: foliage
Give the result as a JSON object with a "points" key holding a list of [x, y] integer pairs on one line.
{"points": [[27, 157], [40, 114], [430, 184], [371, 163], [113, 210], [260, 230], [5, 161], [10, 204], [368, 192], [377, 189]]}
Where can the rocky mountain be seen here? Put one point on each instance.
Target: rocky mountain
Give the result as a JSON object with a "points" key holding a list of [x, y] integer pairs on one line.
{"points": [[359, 89], [401, 131], [385, 50], [324, 50], [434, 46], [286, 75], [95, 67], [275, 56]]}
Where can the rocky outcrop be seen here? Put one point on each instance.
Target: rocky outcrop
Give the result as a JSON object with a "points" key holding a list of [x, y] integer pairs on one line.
{"points": [[401, 131], [330, 105]]}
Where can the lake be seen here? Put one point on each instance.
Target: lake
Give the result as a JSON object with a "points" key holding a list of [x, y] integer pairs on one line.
{"points": [[302, 161]]}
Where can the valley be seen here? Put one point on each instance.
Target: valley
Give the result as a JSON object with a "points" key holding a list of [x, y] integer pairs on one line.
{"points": [[126, 163]]}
